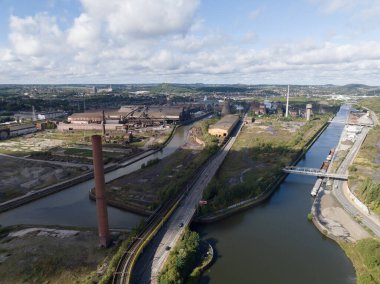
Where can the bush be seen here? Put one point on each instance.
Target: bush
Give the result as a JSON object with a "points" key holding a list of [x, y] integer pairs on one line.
{"points": [[310, 216]]}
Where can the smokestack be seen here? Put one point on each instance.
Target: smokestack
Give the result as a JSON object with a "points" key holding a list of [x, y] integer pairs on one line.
{"points": [[34, 114], [287, 104], [101, 205]]}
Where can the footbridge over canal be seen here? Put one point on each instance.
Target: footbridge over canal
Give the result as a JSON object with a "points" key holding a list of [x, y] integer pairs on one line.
{"points": [[313, 172]]}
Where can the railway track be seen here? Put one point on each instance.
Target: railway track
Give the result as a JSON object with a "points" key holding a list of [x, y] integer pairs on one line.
{"points": [[123, 272], [124, 268]]}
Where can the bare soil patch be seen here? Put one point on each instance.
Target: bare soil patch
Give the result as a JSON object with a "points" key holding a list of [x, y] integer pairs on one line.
{"points": [[41, 255], [338, 222], [18, 177]]}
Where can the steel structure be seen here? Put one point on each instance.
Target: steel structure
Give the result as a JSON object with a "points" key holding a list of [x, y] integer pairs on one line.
{"points": [[313, 172]]}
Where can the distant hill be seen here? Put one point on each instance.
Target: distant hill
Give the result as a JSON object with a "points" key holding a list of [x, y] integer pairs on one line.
{"points": [[354, 86]]}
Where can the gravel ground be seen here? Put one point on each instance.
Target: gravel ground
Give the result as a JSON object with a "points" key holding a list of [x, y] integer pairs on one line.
{"points": [[47, 255], [338, 222]]}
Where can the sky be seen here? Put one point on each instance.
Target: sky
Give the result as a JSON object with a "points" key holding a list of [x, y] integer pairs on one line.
{"points": [[190, 41]]}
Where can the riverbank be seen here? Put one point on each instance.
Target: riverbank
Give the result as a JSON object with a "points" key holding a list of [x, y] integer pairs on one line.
{"points": [[207, 257], [249, 203], [144, 190], [39, 254], [182, 259], [37, 194], [348, 227], [276, 234]]}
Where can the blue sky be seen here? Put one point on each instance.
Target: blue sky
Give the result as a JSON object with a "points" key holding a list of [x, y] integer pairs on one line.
{"points": [[209, 41]]}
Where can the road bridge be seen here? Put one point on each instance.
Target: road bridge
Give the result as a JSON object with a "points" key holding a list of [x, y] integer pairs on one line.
{"points": [[167, 225], [314, 172]]}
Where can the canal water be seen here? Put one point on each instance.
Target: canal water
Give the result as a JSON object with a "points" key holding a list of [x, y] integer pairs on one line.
{"points": [[72, 206], [274, 242], [271, 243]]}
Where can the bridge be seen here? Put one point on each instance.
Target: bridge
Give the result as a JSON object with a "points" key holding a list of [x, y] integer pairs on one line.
{"points": [[313, 172]]}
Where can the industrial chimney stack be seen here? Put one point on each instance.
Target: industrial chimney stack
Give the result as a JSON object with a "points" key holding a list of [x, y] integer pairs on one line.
{"points": [[287, 104], [100, 192]]}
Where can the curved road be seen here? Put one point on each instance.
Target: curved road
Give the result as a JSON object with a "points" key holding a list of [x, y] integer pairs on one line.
{"points": [[338, 186]]}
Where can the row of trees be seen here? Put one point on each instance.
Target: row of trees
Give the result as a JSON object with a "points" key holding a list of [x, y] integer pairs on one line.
{"points": [[370, 193], [182, 259]]}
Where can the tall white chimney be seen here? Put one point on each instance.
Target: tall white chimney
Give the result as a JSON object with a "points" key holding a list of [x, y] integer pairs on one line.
{"points": [[287, 104]]}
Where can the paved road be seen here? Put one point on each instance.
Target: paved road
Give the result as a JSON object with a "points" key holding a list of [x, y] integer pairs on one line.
{"points": [[338, 186], [153, 259]]}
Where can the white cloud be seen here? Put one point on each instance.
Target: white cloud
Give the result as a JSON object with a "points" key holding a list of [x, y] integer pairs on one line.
{"points": [[162, 40], [85, 33], [34, 36], [193, 43], [143, 18], [7, 56]]}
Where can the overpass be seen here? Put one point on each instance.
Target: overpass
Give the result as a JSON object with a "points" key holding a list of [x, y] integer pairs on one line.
{"points": [[164, 228], [313, 172]]}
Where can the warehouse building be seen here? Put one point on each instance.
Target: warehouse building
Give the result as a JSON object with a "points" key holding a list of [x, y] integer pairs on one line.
{"points": [[15, 129], [224, 126], [130, 117]]}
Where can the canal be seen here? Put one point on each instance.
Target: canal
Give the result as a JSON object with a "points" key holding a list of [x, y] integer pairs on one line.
{"points": [[72, 206], [274, 242], [271, 243]]}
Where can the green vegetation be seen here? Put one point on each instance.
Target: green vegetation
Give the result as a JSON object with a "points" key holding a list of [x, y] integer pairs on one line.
{"points": [[78, 152], [364, 177], [370, 193], [365, 255], [111, 262], [182, 259], [206, 258], [210, 140], [5, 119], [310, 216], [47, 259], [144, 190], [249, 168], [150, 163]]}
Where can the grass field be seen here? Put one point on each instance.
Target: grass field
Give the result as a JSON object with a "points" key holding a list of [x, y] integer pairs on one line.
{"points": [[365, 256], [149, 187], [259, 153], [38, 258], [365, 172]]}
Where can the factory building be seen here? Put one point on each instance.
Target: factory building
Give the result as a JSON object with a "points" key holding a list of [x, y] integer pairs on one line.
{"points": [[12, 130], [94, 117], [130, 117], [158, 113], [119, 128], [224, 126]]}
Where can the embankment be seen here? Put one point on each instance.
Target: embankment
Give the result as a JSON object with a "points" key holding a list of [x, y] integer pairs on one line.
{"points": [[34, 195]]}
